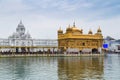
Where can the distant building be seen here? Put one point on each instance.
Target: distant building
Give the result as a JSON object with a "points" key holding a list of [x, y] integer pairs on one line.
{"points": [[113, 45], [21, 41], [74, 39], [20, 38]]}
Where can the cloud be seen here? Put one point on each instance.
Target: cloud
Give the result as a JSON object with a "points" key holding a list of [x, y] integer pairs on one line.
{"points": [[42, 18], [12, 6], [68, 9], [109, 27]]}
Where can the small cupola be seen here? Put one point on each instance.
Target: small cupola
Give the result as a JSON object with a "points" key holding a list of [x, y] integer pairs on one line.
{"points": [[90, 32], [60, 31]]}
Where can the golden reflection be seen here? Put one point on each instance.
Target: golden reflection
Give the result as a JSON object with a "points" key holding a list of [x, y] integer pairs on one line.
{"points": [[80, 68]]}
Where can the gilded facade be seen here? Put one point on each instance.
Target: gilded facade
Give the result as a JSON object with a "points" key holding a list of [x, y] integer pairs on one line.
{"points": [[74, 38]]}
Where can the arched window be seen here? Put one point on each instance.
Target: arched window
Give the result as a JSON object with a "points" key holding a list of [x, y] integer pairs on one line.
{"points": [[83, 44]]}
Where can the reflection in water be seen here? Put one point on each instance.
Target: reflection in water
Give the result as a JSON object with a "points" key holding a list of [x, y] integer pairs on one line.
{"points": [[61, 68], [80, 68], [112, 67], [30, 68]]}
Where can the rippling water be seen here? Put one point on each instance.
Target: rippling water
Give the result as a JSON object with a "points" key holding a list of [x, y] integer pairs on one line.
{"points": [[61, 68]]}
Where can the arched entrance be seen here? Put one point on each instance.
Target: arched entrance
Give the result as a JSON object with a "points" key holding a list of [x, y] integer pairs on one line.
{"points": [[23, 49], [94, 50], [17, 49]]}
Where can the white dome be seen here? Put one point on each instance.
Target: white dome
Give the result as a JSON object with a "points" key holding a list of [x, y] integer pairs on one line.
{"points": [[23, 36], [28, 35], [14, 35], [20, 24], [20, 32]]}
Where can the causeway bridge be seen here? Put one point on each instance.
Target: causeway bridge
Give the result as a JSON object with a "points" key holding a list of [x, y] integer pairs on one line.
{"points": [[28, 45]]}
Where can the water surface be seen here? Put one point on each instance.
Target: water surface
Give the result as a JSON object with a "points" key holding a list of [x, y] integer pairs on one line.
{"points": [[61, 68]]}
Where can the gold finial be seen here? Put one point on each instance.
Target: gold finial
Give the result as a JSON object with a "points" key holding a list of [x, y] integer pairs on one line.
{"points": [[99, 30], [99, 27], [90, 31], [60, 28], [69, 26], [74, 24]]}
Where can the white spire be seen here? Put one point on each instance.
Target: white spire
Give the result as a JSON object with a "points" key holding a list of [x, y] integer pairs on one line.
{"points": [[20, 24], [20, 21]]}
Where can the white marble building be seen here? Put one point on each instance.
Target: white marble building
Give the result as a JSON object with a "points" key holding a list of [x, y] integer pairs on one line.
{"points": [[20, 37]]}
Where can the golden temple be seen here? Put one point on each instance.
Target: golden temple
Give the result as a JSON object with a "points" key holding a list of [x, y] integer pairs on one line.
{"points": [[74, 38]]}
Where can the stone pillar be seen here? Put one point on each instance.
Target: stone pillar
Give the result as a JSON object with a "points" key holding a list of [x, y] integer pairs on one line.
{"points": [[100, 50], [43, 51], [53, 50]]}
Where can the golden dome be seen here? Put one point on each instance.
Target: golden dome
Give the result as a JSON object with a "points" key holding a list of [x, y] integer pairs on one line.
{"points": [[90, 31], [75, 29], [99, 30], [69, 29], [60, 30]]}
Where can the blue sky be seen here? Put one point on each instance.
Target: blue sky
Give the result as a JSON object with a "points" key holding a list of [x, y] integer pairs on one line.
{"points": [[42, 18]]}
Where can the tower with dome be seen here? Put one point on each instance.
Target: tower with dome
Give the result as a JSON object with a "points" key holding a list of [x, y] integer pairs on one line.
{"points": [[75, 40], [20, 33], [20, 37], [21, 41]]}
